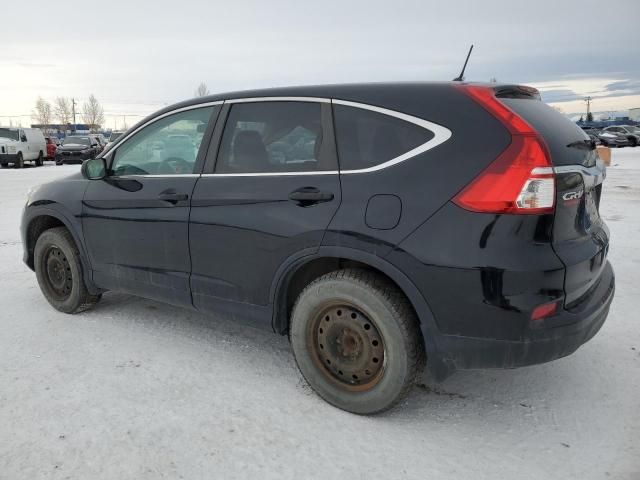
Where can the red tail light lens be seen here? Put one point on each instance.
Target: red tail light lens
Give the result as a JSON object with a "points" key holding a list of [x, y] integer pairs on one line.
{"points": [[521, 179], [544, 310]]}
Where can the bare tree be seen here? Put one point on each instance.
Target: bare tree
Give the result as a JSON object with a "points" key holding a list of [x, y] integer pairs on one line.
{"points": [[42, 113], [202, 90], [63, 111], [93, 113]]}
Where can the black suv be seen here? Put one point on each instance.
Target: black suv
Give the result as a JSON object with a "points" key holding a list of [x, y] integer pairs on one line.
{"points": [[76, 149], [381, 226]]}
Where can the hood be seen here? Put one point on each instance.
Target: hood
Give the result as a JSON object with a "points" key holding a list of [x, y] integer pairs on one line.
{"points": [[73, 147]]}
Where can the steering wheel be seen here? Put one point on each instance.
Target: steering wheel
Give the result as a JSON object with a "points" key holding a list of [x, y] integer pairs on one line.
{"points": [[175, 165]]}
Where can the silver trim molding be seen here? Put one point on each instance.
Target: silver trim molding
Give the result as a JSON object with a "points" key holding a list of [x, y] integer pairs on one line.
{"points": [[278, 99], [591, 176], [118, 142], [440, 135]]}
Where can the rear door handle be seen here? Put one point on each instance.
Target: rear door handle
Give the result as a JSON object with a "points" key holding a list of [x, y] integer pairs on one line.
{"points": [[173, 197], [307, 196]]}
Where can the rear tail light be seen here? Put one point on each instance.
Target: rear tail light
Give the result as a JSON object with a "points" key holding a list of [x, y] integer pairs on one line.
{"points": [[521, 180], [545, 310]]}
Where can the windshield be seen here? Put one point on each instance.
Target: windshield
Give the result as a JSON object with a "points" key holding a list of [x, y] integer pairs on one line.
{"points": [[76, 141], [10, 133]]}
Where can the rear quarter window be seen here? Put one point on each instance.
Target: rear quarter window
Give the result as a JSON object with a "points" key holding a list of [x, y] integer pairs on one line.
{"points": [[366, 138]]}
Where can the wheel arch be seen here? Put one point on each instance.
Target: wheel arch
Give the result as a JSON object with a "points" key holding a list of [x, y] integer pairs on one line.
{"points": [[299, 272], [41, 219]]}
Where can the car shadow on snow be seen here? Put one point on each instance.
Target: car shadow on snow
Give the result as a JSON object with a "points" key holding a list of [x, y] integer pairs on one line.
{"points": [[476, 392]]}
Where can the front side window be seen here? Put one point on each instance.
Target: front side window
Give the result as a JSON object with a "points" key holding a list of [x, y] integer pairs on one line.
{"points": [[272, 137], [366, 138], [168, 146]]}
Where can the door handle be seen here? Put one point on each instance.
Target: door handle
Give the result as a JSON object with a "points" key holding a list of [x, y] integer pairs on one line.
{"points": [[173, 197], [308, 196]]}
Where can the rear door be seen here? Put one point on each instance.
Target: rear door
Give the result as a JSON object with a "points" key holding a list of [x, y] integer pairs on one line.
{"points": [[265, 198], [580, 236], [135, 221]]}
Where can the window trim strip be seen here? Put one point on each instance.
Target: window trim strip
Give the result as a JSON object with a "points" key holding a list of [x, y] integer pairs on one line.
{"points": [[160, 117], [440, 135]]}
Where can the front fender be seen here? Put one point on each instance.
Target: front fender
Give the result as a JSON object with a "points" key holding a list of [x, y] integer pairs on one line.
{"points": [[57, 203]]}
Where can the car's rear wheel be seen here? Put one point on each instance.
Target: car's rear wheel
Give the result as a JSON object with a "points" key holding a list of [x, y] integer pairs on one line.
{"points": [[39, 160], [59, 272], [356, 340], [19, 163]]}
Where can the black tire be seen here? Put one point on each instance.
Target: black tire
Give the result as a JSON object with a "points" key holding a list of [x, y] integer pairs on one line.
{"points": [[59, 272], [369, 301], [19, 163], [39, 160], [634, 142]]}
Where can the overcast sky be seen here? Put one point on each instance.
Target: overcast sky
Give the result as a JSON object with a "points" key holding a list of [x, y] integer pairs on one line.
{"points": [[137, 56]]}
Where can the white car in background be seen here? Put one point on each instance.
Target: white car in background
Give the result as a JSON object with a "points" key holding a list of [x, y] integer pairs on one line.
{"points": [[19, 145]]}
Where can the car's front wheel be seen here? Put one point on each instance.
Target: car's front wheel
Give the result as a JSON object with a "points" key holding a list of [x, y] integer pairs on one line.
{"points": [[40, 160], [356, 340], [59, 272], [19, 163]]}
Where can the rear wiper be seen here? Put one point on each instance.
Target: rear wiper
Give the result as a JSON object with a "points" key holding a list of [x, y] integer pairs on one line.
{"points": [[583, 144]]}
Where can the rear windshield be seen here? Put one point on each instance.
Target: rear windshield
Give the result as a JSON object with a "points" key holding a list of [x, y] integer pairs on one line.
{"points": [[557, 130]]}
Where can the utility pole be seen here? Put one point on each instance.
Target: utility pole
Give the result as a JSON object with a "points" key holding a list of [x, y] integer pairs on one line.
{"points": [[73, 107], [588, 100]]}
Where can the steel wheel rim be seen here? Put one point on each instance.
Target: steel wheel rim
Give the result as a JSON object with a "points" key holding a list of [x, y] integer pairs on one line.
{"points": [[57, 273], [347, 347]]}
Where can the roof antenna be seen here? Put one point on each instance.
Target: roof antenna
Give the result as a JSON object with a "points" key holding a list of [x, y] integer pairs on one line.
{"points": [[460, 77]]}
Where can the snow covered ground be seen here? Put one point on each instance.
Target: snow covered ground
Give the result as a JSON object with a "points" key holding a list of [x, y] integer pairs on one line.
{"points": [[135, 389]]}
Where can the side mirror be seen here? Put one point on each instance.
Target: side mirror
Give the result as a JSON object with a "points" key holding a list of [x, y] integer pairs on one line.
{"points": [[94, 169], [23, 138]]}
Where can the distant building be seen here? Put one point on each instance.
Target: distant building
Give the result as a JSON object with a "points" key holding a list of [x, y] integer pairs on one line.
{"points": [[634, 114], [61, 131]]}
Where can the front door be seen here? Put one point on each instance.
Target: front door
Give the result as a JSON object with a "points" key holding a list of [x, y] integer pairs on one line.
{"points": [[135, 221], [270, 197]]}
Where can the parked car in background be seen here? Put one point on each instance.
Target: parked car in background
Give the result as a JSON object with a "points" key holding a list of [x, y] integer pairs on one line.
{"points": [[593, 134], [76, 149], [99, 140], [613, 139], [52, 146], [631, 133], [381, 227], [115, 135], [19, 145]]}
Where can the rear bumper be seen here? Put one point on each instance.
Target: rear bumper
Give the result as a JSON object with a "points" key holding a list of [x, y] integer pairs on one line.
{"points": [[560, 336]]}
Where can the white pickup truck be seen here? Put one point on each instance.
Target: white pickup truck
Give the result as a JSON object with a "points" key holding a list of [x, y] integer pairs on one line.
{"points": [[19, 145]]}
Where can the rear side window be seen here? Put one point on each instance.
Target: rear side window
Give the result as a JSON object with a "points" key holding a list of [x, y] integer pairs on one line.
{"points": [[272, 137], [366, 138]]}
